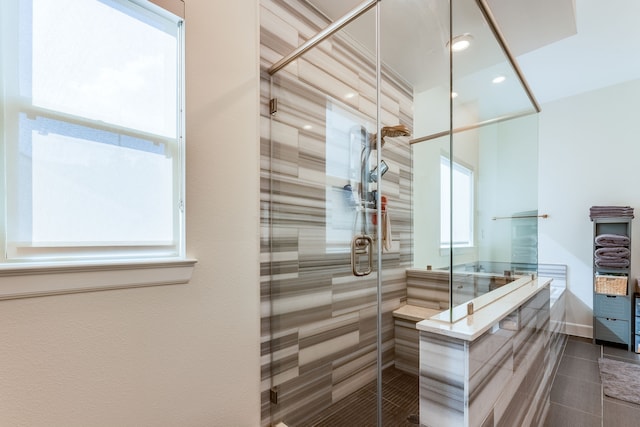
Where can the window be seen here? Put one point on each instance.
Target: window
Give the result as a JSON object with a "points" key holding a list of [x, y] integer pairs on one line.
{"points": [[92, 130], [456, 230], [343, 168]]}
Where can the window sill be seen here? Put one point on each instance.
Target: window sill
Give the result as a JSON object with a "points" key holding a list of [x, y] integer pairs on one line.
{"points": [[42, 279]]}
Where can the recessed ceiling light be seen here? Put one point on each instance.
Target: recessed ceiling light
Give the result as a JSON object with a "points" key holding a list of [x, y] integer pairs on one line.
{"points": [[350, 95], [461, 42], [499, 79], [454, 95], [307, 127]]}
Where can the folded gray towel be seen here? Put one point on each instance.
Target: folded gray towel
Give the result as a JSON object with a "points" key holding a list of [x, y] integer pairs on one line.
{"points": [[612, 240], [615, 252], [611, 212], [622, 263]]}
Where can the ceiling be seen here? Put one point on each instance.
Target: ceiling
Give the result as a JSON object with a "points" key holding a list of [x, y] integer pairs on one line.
{"points": [[603, 52], [563, 47]]}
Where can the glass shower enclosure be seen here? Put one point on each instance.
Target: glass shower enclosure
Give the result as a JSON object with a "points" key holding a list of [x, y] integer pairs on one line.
{"points": [[369, 162]]}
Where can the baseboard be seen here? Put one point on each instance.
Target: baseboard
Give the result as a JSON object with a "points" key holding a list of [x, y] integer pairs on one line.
{"points": [[578, 330]]}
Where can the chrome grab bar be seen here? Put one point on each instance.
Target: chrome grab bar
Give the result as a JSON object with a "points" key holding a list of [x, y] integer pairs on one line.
{"points": [[361, 244]]}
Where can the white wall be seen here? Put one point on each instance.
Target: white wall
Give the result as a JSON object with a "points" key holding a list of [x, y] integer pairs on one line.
{"points": [[589, 155], [173, 355]]}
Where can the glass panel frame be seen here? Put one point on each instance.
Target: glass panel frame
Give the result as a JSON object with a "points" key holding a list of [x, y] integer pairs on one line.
{"points": [[461, 128]]}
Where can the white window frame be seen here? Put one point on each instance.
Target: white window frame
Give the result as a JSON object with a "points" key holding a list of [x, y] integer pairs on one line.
{"points": [[26, 278], [445, 204]]}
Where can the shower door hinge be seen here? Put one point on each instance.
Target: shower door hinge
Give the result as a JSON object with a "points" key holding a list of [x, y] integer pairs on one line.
{"points": [[273, 106], [273, 395]]}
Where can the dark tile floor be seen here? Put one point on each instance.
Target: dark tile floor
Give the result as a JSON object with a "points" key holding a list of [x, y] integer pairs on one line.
{"points": [[577, 399], [576, 395], [400, 403]]}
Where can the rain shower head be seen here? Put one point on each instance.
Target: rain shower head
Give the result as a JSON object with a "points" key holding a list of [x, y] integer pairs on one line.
{"points": [[389, 132], [393, 131]]}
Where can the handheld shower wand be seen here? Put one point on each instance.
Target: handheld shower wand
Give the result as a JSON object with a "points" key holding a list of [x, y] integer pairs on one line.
{"points": [[362, 244]]}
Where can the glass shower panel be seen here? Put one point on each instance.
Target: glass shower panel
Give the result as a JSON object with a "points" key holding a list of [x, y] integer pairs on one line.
{"points": [[504, 213], [475, 158], [485, 86], [414, 48], [431, 203], [324, 183], [507, 196], [493, 162], [415, 63]]}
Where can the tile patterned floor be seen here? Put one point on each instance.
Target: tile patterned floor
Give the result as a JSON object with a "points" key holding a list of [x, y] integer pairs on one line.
{"points": [[400, 403], [576, 395]]}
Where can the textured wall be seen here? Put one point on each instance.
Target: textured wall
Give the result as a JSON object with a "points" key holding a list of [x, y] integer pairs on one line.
{"points": [[319, 321], [183, 355]]}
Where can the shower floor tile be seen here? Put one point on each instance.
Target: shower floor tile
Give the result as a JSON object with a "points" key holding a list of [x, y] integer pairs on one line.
{"points": [[400, 403]]}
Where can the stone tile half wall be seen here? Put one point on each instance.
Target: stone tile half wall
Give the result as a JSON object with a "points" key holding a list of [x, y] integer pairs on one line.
{"points": [[503, 378]]}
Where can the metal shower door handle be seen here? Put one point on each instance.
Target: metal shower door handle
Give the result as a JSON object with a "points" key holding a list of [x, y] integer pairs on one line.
{"points": [[361, 244]]}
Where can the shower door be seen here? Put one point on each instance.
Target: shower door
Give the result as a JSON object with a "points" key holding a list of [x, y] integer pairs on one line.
{"points": [[336, 233], [323, 320], [327, 324], [328, 332]]}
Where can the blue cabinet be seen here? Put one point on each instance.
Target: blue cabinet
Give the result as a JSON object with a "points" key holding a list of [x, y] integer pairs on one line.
{"points": [[636, 309], [612, 330], [612, 306], [616, 312]]}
